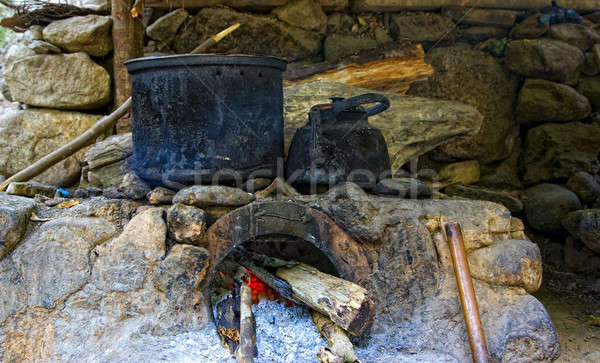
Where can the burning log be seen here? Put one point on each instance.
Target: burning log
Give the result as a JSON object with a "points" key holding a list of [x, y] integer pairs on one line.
{"points": [[246, 350], [387, 70], [228, 319], [336, 337], [347, 304]]}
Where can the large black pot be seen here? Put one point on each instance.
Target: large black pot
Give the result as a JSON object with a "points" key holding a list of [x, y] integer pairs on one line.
{"points": [[196, 118]]}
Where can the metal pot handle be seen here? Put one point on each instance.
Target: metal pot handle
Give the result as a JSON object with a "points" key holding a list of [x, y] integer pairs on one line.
{"points": [[383, 103]]}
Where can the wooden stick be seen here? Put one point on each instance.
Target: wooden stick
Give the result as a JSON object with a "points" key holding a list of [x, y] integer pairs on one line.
{"points": [[336, 337], [246, 350], [91, 134], [69, 149], [466, 292]]}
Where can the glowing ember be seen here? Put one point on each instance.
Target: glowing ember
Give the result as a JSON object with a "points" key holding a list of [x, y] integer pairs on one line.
{"points": [[260, 290]]}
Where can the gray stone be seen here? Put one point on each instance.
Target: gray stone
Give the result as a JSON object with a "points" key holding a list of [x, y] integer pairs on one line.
{"points": [[305, 14], [580, 258], [15, 52], [164, 28], [339, 23], [180, 274], [42, 47], [399, 5], [547, 205], [122, 263], [530, 28], [213, 195], [258, 34], [590, 66], [582, 36], [427, 28], [107, 176], [585, 226], [134, 187], [590, 88], [557, 151], [497, 196], [464, 172], [14, 215], [403, 188], [585, 186], [544, 101], [545, 58], [422, 123], [55, 259], [30, 189], [28, 135], [108, 151], [482, 33], [338, 46], [186, 224], [509, 263], [334, 5], [90, 34], [160, 195], [478, 79], [63, 81], [113, 193], [504, 175]]}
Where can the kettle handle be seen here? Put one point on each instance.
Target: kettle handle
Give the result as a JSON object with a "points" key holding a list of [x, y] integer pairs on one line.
{"points": [[383, 103]]}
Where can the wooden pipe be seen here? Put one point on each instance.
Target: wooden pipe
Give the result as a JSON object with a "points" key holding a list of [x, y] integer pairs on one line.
{"points": [[466, 292]]}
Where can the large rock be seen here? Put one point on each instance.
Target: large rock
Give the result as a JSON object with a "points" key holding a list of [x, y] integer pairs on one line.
{"points": [[338, 46], [476, 16], [55, 260], [545, 58], [475, 78], [213, 196], [180, 274], [90, 34], [305, 14], [464, 172], [544, 101], [411, 126], [122, 263], [14, 295], [258, 34], [14, 215], [31, 189], [426, 28], [165, 27], [28, 135], [582, 36], [585, 186], [64, 81], [547, 205], [585, 226], [557, 151], [403, 188], [510, 263], [504, 175], [590, 88]]}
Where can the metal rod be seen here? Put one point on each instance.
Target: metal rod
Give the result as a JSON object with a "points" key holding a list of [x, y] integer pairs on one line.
{"points": [[466, 292]]}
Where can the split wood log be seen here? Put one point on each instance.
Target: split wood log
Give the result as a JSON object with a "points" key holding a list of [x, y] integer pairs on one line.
{"points": [[388, 70], [347, 304], [246, 350], [83, 140], [336, 337], [227, 319]]}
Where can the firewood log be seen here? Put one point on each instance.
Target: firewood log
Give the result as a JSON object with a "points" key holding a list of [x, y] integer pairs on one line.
{"points": [[347, 304], [336, 337], [386, 70], [246, 350], [228, 319]]}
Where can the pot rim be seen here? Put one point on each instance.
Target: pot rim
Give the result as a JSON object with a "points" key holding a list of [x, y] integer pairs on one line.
{"points": [[183, 60]]}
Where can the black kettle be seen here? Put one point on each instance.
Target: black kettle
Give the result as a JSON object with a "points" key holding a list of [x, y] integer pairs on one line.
{"points": [[338, 144]]}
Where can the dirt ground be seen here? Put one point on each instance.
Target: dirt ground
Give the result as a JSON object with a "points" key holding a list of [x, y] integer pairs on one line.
{"points": [[571, 312]]}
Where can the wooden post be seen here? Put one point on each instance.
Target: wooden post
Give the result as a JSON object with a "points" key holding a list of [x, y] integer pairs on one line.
{"points": [[128, 40]]}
